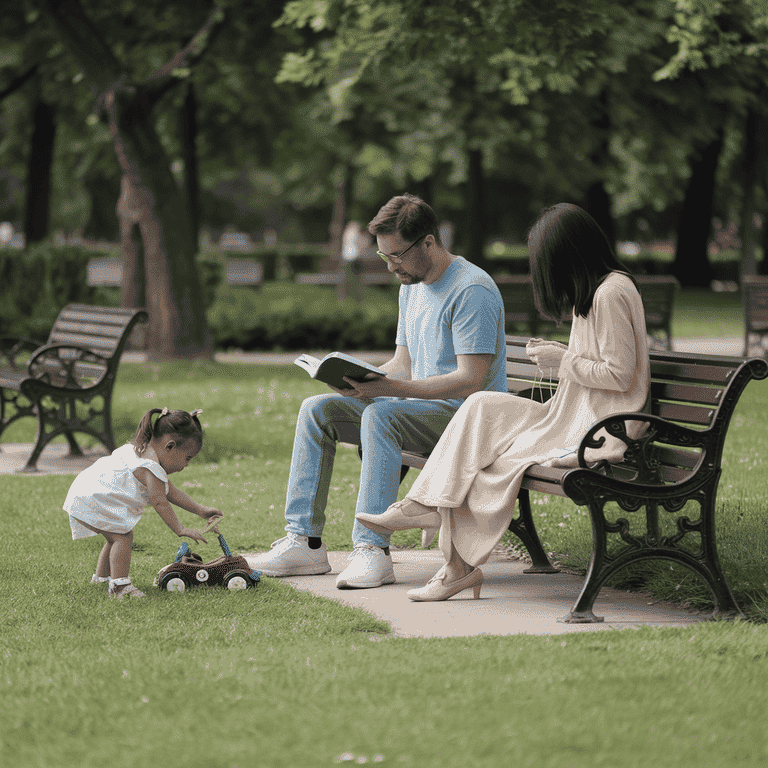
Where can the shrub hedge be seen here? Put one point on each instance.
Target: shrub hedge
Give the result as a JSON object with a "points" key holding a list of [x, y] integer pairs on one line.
{"points": [[36, 283], [285, 316]]}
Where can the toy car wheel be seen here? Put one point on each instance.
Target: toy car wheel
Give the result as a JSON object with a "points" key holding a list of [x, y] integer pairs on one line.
{"points": [[173, 582], [237, 580]]}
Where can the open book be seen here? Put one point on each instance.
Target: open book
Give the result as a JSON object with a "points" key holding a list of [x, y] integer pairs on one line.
{"points": [[334, 366]]}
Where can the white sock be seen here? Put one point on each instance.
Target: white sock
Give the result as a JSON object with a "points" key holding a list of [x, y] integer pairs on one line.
{"points": [[121, 582], [98, 579]]}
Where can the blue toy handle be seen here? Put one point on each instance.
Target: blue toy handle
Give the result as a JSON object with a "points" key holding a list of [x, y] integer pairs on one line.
{"points": [[183, 550], [225, 548]]}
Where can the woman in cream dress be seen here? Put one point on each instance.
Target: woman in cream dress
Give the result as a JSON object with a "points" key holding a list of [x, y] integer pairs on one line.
{"points": [[469, 485]]}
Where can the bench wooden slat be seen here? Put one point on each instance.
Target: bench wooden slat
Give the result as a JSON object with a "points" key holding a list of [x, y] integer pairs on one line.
{"points": [[662, 390], [112, 332], [88, 311], [684, 371], [98, 343], [685, 414], [678, 457]]}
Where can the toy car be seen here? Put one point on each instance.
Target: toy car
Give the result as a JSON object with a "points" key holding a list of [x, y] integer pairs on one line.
{"points": [[189, 570]]}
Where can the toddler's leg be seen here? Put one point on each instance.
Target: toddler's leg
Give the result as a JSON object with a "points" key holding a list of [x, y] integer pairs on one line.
{"points": [[120, 585], [102, 565], [119, 553]]}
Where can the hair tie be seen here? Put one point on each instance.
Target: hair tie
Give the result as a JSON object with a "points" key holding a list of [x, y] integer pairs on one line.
{"points": [[196, 412], [164, 412]]}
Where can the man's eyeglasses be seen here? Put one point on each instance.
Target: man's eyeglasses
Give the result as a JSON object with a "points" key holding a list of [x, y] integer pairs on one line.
{"points": [[399, 258]]}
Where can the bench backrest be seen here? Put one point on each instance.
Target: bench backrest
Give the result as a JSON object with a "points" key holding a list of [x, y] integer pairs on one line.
{"points": [[658, 293], [103, 330], [754, 293]]}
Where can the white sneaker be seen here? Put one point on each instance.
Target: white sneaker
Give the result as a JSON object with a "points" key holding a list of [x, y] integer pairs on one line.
{"points": [[369, 566], [291, 556]]}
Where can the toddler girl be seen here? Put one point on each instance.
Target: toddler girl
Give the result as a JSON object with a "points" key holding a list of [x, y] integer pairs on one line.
{"points": [[109, 497]]}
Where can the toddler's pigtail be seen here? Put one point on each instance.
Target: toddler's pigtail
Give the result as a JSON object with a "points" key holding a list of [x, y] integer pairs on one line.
{"points": [[146, 429]]}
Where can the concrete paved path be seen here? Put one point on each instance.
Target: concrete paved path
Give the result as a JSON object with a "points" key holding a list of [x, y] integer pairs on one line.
{"points": [[53, 461], [511, 602]]}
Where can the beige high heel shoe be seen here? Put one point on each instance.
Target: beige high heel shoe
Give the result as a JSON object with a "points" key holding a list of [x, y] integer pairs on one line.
{"points": [[437, 589], [401, 516]]}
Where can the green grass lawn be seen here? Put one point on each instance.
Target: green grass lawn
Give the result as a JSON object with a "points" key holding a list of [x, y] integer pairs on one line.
{"points": [[699, 313], [276, 678]]}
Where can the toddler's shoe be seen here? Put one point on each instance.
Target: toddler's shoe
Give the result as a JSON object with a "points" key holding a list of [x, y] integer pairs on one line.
{"points": [[123, 590], [291, 556], [98, 579], [369, 566]]}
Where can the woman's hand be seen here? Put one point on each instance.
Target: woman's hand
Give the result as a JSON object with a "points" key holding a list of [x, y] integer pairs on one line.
{"points": [[545, 354]]}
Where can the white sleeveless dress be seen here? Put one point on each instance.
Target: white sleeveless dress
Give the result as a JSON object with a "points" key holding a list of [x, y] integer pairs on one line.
{"points": [[107, 494]]}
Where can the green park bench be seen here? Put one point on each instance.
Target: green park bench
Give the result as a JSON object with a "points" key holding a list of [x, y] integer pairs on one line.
{"points": [[754, 297], [677, 460], [66, 383]]}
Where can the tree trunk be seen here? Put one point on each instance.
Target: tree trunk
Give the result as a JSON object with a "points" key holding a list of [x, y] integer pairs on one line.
{"points": [[764, 263], [598, 205], [189, 149], [755, 154], [332, 263], [750, 192], [102, 223], [691, 265], [476, 219], [38, 199], [597, 201], [133, 291], [177, 325]]}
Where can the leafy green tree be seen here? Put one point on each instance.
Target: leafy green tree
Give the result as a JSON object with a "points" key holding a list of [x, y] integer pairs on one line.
{"points": [[127, 99], [441, 80], [720, 46]]}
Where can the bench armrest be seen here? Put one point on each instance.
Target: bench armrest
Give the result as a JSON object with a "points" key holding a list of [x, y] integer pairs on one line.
{"points": [[13, 346], [642, 455], [68, 366]]}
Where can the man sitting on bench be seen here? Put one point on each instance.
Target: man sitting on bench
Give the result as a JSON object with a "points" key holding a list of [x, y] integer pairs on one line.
{"points": [[450, 343]]}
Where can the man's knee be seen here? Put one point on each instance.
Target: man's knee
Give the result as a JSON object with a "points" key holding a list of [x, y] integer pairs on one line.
{"points": [[379, 414], [318, 408]]}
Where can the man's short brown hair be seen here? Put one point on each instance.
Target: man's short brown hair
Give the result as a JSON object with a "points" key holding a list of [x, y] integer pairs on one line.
{"points": [[407, 214]]}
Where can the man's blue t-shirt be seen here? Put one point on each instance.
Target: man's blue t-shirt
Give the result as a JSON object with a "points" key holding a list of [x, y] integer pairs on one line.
{"points": [[460, 314]]}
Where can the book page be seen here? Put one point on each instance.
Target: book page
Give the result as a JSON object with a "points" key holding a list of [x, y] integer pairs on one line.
{"points": [[309, 363]]}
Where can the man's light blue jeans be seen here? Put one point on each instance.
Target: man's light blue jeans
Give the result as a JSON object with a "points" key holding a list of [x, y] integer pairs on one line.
{"points": [[383, 427]]}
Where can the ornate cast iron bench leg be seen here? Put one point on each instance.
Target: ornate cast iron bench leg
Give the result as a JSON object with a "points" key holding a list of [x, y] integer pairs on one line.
{"points": [[523, 527]]}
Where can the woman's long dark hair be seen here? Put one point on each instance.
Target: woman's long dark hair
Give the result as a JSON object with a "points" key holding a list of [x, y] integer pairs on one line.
{"points": [[569, 256]]}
